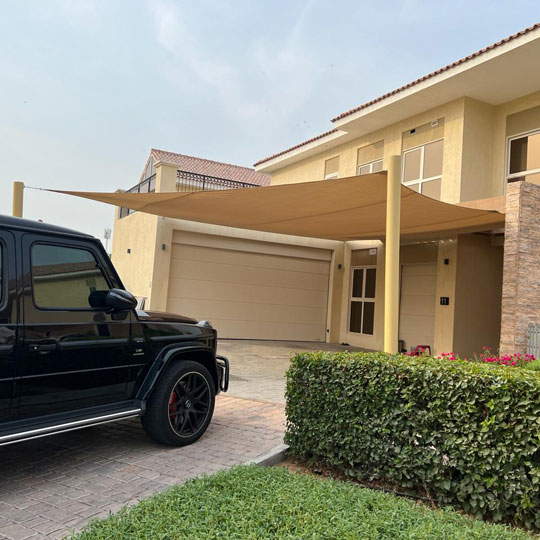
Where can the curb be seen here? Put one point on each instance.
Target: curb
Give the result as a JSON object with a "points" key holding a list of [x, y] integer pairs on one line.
{"points": [[272, 457]]}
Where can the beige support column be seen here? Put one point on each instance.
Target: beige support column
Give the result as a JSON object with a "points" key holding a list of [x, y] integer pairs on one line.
{"points": [[18, 189], [391, 272]]}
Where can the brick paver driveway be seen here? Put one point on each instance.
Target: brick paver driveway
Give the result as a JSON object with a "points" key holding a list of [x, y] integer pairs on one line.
{"points": [[49, 486], [258, 367]]}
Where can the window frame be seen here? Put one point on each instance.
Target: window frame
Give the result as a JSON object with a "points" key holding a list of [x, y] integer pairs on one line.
{"points": [[421, 180], [513, 177], [370, 163], [332, 175], [68, 246], [362, 299]]}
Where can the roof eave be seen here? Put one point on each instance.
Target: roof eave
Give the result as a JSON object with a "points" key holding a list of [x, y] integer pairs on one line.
{"points": [[281, 160]]}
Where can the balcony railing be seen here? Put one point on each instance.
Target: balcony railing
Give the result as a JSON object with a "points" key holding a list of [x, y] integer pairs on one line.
{"points": [[187, 182]]}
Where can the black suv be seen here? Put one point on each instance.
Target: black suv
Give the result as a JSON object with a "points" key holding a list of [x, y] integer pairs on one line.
{"points": [[75, 352]]}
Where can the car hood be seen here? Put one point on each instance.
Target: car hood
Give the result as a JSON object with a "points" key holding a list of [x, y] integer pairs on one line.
{"points": [[161, 316]]}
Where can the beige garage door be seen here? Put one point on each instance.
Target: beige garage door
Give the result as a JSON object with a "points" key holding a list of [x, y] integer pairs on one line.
{"points": [[251, 294], [417, 307]]}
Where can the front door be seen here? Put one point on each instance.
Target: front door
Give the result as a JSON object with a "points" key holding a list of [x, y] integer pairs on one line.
{"points": [[417, 306], [75, 355], [8, 321]]}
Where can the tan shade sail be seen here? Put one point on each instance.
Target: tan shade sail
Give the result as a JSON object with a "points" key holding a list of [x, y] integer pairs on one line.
{"points": [[351, 208]]}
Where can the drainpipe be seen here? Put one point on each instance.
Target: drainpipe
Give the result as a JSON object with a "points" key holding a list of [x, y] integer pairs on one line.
{"points": [[18, 188], [391, 267]]}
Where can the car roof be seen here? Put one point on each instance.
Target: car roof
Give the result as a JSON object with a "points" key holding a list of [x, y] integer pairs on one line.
{"points": [[9, 222]]}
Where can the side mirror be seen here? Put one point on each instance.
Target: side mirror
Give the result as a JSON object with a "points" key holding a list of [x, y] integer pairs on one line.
{"points": [[120, 300]]}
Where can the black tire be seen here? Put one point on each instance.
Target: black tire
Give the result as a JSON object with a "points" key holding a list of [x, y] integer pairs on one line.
{"points": [[181, 406]]}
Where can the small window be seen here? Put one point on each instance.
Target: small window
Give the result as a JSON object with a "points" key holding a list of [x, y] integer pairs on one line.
{"points": [[367, 168], [422, 169], [331, 168], [524, 158], [66, 278], [362, 301]]}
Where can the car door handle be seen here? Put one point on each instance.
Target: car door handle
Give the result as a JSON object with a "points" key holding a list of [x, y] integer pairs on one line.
{"points": [[44, 347]]}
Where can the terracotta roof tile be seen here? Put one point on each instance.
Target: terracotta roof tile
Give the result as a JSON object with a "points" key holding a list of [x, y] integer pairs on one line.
{"points": [[212, 168], [401, 89]]}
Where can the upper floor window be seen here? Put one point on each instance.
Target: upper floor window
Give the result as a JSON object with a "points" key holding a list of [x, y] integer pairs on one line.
{"points": [[524, 157], [366, 168], [331, 168], [422, 168], [369, 158], [65, 277]]}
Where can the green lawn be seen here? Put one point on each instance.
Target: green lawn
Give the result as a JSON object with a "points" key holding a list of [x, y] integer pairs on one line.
{"points": [[260, 503]]}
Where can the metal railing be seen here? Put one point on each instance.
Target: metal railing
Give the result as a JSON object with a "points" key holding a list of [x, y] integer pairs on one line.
{"points": [[533, 339], [186, 182], [146, 186]]}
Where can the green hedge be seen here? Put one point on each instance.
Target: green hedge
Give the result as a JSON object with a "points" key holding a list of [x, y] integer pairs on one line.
{"points": [[467, 434]]}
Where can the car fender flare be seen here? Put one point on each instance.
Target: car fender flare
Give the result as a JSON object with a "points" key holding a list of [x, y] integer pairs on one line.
{"points": [[163, 360]]}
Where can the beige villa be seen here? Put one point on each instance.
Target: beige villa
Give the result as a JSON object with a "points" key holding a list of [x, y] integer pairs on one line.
{"points": [[468, 134]]}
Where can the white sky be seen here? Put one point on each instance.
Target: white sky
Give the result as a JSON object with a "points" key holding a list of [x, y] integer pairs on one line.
{"points": [[87, 87]]}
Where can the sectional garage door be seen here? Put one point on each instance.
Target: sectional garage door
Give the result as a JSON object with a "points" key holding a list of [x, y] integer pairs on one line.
{"points": [[417, 307], [250, 289]]}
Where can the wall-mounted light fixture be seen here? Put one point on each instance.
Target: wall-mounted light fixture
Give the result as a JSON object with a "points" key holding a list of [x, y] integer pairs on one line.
{"points": [[129, 250]]}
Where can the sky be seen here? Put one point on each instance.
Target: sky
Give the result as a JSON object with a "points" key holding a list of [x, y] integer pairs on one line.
{"points": [[87, 87]]}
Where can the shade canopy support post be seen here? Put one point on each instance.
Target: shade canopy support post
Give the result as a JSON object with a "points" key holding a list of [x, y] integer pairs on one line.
{"points": [[18, 190], [391, 268]]}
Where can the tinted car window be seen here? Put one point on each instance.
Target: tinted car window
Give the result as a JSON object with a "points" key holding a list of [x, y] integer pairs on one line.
{"points": [[1, 273], [65, 277]]}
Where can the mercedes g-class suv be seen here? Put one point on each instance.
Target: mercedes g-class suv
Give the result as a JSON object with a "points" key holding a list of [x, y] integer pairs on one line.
{"points": [[75, 351]]}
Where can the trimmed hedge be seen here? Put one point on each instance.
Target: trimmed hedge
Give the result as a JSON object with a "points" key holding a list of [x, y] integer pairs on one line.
{"points": [[466, 433]]}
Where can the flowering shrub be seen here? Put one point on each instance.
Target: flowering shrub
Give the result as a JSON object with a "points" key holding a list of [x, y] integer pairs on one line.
{"points": [[488, 357], [516, 359]]}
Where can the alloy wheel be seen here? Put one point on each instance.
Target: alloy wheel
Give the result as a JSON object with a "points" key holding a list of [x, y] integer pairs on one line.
{"points": [[189, 404]]}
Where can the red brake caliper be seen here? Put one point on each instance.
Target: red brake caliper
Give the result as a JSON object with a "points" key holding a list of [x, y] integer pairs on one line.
{"points": [[172, 401]]}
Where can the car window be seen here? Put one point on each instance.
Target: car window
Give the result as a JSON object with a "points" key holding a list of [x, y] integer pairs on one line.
{"points": [[66, 277], [1, 274]]}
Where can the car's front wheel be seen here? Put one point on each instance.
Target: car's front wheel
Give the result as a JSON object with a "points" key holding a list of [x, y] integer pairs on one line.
{"points": [[181, 406]]}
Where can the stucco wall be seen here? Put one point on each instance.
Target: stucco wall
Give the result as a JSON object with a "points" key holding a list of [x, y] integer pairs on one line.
{"points": [[312, 168], [446, 286], [475, 148], [478, 294], [476, 165], [136, 232]]}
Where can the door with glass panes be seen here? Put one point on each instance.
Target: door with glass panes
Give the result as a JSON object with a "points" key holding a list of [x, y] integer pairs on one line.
{"points": [[362, 300]]}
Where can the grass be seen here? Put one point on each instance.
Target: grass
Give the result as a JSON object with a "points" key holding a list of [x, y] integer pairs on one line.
{"points": [[251, 502]]}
